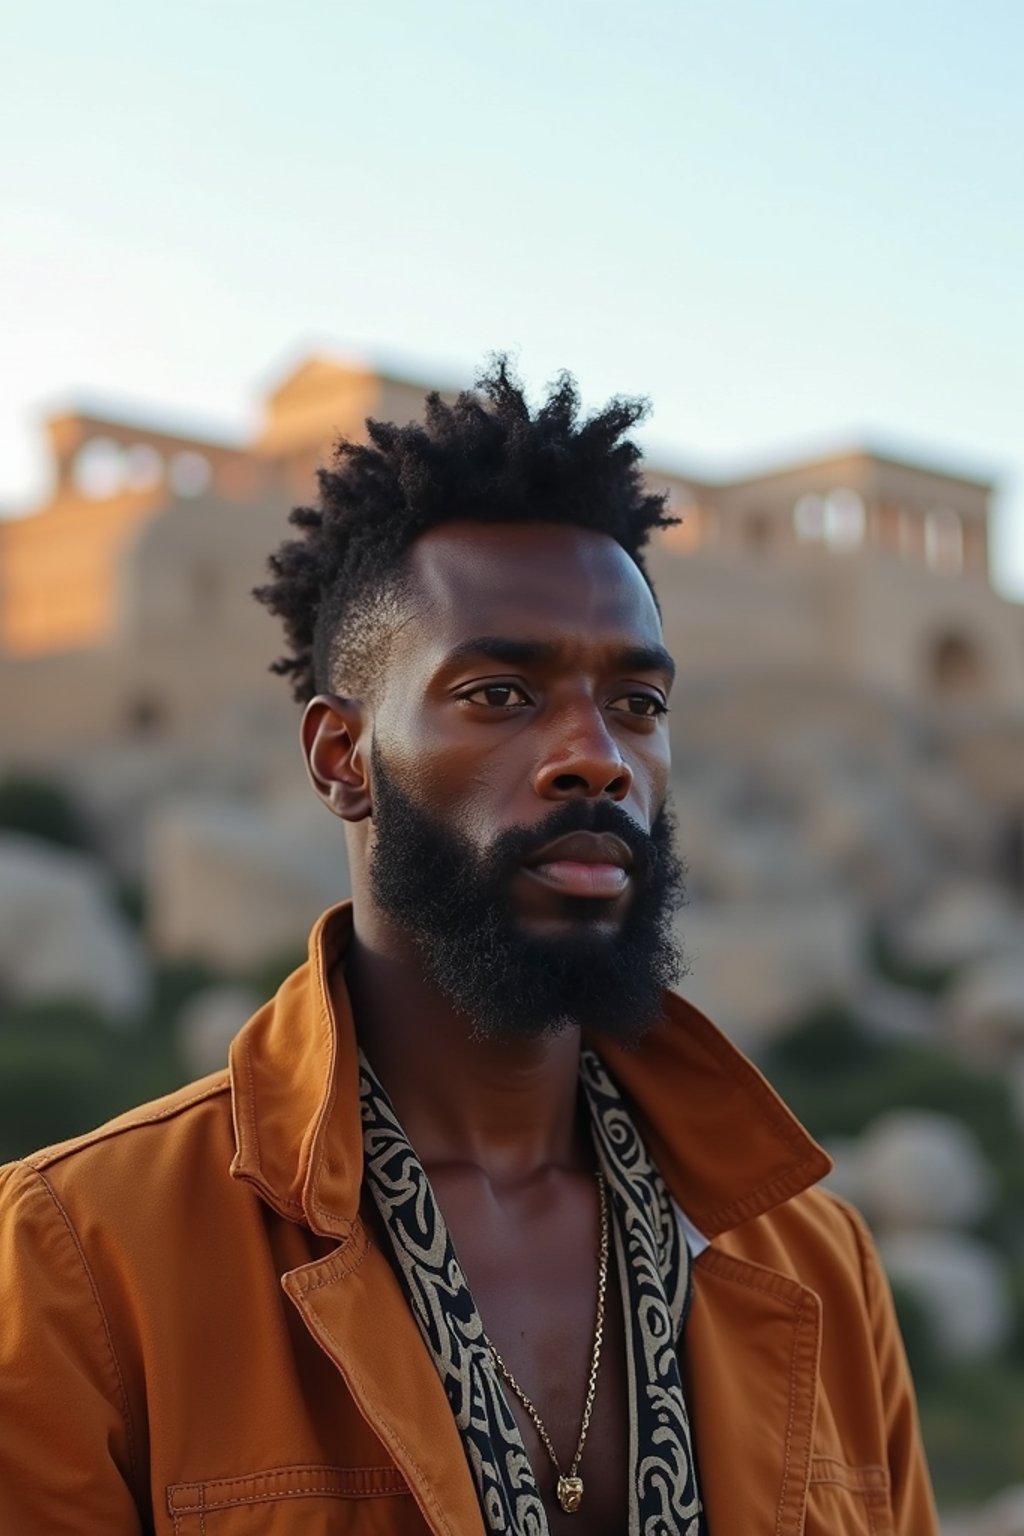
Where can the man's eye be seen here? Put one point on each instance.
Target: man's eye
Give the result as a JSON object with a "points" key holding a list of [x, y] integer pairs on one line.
{"points": [[644, 705], [498, 696]]}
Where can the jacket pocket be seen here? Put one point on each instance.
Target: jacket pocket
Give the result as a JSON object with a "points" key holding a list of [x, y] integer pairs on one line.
{"points": [[283, 1501], [847, 1501]]}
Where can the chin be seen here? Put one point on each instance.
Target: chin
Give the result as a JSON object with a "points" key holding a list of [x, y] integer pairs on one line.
{"points": [[578, 925]]}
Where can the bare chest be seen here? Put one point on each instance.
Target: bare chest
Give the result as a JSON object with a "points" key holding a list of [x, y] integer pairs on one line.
{"points": [[533, 1270]]}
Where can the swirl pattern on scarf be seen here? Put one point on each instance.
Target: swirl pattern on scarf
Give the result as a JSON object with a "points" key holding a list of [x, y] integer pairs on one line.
{"points": [[654, 1271]]}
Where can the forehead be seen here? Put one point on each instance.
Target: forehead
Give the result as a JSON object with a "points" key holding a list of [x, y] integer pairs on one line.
{"points": [[528, 580]]}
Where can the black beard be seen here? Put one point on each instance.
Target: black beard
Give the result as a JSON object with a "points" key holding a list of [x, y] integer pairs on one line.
{"points": [[453, 903]]}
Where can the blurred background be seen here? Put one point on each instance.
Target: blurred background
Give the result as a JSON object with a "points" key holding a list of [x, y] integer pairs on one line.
{"points": [[233, 232]]}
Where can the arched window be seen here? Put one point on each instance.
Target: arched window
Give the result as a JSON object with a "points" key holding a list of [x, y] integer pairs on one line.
{"points": [[757, 532], [99, 469], [845, 520], [956, 666], [191, 473], [944, 541], [809, 519], [144, 466], [206, 584], [145, 714]]}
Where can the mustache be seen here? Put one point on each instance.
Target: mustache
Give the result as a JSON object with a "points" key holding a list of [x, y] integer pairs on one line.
{"points": [[516, 844]]}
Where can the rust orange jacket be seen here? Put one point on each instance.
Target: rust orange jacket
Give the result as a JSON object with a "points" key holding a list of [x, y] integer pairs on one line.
{"points": [[197, 1334]]}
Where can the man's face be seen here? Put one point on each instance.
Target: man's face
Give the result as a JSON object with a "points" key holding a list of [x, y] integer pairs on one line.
{"points": [[520, 763]]}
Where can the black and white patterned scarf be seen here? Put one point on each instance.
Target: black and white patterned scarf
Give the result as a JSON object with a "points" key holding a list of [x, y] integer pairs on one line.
{"points": [[655, 1278]]}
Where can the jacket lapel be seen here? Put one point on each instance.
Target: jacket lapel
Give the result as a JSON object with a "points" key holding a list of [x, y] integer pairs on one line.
{"points": [[751, 1343], [353, 1306], [751, 1350]]}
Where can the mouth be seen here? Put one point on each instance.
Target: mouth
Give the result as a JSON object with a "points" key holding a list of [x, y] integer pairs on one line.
{"points": [[589, 864]]}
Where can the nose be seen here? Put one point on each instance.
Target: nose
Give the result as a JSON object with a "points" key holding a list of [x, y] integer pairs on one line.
{"points": [[583, 760]]}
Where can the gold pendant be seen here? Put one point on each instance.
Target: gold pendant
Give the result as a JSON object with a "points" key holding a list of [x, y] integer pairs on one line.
{"points": [[570, 1493]]}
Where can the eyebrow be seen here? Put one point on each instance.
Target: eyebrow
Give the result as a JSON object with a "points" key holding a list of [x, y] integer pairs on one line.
{"points": [[525, 653]]}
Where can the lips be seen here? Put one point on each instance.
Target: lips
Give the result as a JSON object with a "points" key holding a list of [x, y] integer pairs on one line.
{"points": [[594, 864], [584, 848]]}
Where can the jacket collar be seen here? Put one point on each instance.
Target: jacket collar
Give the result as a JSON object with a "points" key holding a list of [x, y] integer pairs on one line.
{"points": [[726, 1145]]}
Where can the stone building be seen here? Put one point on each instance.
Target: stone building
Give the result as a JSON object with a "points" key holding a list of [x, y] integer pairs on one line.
{"points": [[133, 660]]}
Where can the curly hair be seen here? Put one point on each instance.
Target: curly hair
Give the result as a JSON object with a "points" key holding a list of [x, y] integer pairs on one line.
{"points": [[485, 458]]}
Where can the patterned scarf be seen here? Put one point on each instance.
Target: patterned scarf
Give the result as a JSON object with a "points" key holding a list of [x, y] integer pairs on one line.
{"points": [[655, 1279]]}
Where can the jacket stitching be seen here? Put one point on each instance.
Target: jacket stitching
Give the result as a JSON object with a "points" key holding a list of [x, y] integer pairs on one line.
{"points": [[340, 1273], [348, 1482], [124, 1404], [867, 1489], [327, 1026], [52, 1155], [388, 1433], [789, 1421], [300, 1469], [871, 1518], [752, 1204], [720, 1264], [252, 1114], [870, 1478], [253, 1147], [327, 1490]]}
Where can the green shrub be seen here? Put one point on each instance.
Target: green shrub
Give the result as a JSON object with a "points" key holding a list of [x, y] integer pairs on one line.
{"points": [[972, 1419], [43, 810], [64, 1070], [918, 1330], [838, 1079]]}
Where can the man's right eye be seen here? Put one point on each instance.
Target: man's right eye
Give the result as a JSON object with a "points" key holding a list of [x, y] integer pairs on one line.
{"points": [[498, 696]]}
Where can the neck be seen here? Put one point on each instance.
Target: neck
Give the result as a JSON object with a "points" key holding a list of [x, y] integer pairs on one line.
{"points": [[507, 1107]]}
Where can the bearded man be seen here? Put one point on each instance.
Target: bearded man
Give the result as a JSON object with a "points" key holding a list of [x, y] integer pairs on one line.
{"points": [[484, 1229]]}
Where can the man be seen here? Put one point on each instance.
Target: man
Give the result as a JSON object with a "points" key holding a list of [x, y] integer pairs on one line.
{"points": [[484, 1230]]}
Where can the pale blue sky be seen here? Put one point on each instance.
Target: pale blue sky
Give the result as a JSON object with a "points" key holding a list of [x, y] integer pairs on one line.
{"points": [[793, 225]]}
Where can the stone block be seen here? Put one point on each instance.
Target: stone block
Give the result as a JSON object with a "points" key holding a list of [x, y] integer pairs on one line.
{"points": [[921, 1169], [238, 884], [61, 936], [959, 923], [961, 1284], [756, 967], [984, 1008]]}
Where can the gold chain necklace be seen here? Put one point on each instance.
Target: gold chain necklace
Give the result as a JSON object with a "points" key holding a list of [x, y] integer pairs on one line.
{"points": [[569, 1488]]}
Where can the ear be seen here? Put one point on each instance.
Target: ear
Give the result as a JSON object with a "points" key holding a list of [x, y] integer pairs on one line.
{"points": [[337, 757]]}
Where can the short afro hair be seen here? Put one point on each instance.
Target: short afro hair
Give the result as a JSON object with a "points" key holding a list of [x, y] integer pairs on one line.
{"points": [[485, 458]]}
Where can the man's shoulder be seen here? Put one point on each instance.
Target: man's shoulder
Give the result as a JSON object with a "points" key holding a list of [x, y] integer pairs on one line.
{"points": [[815, 1237], [135, 1146]]}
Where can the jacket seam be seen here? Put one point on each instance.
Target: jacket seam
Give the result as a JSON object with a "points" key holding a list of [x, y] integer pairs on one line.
{"points": [[870, 1479], [371, 1491], [865, 1259], [50, 1157], [789, 1421], [298, 1470], [869, 1492], [746, 1207], [122, 1389], [254, 1142], [720, 1264], [389, 1432], [318, 1154], [339, 1271]]}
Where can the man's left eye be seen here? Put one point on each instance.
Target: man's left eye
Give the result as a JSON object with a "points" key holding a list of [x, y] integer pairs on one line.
{"points": [[645, 705], [498, 696]]}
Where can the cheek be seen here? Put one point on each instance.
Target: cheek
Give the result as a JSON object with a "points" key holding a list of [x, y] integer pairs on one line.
{"points": [[444, 779], [650, 762], [441, 762]]}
